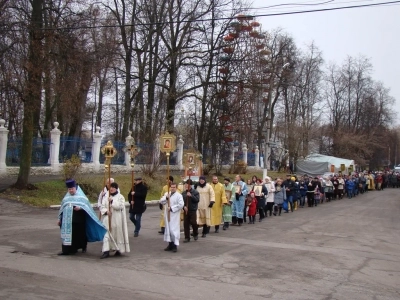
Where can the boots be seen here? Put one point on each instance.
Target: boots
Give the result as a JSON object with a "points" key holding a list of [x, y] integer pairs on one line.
{"points": [[169, 247], [205, 231], [295, 205], [275, 210]]}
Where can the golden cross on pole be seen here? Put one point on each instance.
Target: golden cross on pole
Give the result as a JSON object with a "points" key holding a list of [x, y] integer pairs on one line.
{"points": [[109, 152]]}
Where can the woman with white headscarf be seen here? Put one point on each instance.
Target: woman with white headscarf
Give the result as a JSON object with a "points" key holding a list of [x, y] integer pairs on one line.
{"points": [[269, 184]]}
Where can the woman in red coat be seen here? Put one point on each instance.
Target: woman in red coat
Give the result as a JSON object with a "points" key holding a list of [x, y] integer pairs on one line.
{"points": [[252, 204]]}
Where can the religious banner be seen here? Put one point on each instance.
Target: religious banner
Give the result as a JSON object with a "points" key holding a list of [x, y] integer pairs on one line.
{"points": [[192, 162], [167, 143], [342, 167], [333, 168], [257, 190], [228, 194]]}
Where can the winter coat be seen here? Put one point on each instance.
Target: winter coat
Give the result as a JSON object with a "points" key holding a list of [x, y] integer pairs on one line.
{"points": [[261, 199], [349, 185], [280, 194], [252, 207], [139, 199], [193, 201], [303, 188], [290, 186]]}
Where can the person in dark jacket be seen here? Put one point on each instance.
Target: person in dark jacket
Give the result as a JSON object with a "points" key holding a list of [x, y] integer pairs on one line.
{"points": [[191, 198], [137, 203], [261, 199], [290, 190], [312, 186], [303, 191]]}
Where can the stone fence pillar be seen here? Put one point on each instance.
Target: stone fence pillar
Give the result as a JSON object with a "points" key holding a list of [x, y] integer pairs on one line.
{"points": [[156, 152], [3, 146], [180, 152], [55, 134], [232, 158], [96, 149], [218, 155], [257, 157], [244, 150], [128, 142]]}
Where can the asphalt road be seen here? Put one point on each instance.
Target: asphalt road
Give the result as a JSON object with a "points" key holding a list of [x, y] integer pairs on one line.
{"points": [[347, 249]]}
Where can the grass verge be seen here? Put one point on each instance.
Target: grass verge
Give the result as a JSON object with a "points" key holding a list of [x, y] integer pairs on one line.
{"points": [[51, 192]]}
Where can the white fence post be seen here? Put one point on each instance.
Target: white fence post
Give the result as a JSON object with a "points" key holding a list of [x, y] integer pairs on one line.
{"points": [[180, 153], [156, 152], [128, 143], [232, 158], [96, 149], [55, 134], [257, 157], [3, 146], [244, 149]]}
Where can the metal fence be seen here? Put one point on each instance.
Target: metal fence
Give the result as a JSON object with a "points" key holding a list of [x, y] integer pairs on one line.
{"points": [[75, 146], [225, 155], [40, 151], [83, 148]]}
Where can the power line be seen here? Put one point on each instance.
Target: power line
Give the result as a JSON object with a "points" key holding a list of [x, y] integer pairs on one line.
{"points": [[296, 5], [329, 9], [228, 18]]}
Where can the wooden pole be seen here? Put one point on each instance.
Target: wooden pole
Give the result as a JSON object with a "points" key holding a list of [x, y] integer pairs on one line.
{"points": [[133, 187], [104, 185], [169, 196], [187, 190], [109, 195]]}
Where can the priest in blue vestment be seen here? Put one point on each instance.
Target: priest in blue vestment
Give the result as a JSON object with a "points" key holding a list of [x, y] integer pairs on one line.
{"points": [[78, 221]]}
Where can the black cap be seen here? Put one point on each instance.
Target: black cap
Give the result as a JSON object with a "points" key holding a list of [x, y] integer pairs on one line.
{"points": [[138, 178], [189, 181], [114, 185], [70, 183]]}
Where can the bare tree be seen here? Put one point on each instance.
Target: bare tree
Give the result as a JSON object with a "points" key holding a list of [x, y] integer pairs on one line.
{"points": [[32, 93]]}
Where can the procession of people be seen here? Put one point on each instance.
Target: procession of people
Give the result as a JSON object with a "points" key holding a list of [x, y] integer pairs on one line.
{"points": [[200, 206]]}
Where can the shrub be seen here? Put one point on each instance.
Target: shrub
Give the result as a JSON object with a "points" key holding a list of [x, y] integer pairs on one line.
{"points": [[71, 167], [240, 167]]}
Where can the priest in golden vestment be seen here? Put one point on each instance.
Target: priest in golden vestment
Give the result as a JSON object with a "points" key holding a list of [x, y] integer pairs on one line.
{"points": [[220, 200]]}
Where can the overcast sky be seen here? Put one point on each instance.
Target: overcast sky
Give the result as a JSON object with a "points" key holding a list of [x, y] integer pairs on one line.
{"points": [[373, 32]]}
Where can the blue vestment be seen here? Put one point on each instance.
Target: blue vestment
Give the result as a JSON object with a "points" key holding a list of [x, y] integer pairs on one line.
{"points": [[238, 204], [95, 230]]}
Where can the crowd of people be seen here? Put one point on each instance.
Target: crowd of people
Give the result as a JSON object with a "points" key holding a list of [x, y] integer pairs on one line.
{"points": [[201, 205]]}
